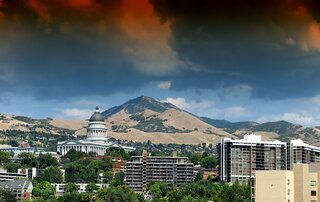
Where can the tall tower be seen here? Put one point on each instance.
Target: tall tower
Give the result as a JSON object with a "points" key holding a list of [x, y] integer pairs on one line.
{"points": [[97, 130]]}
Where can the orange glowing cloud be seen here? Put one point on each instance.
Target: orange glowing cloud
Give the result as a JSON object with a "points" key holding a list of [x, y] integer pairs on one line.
{"points": [[148, 38], [314, 36], [40, 8], [81, 3]]}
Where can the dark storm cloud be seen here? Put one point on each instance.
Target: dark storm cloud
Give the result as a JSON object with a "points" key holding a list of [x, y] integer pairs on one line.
{"points": [[60, 49], [265, 44], [69, 48]]}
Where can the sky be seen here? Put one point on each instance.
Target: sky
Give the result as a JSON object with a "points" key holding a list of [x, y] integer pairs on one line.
{"points": [[236, 60]]}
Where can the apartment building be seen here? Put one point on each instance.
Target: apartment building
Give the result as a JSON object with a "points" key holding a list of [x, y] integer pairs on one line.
{"points": [[21, 189], [300, 184], [145, 169], [239, 159], [300, 152]]}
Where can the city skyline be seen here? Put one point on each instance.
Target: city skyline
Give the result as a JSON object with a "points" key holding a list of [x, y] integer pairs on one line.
{"points": [[238, 61]]}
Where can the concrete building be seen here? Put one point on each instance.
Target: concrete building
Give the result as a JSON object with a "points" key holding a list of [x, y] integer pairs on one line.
{"points": [[146, 169], [21, 189], [18, 150], [96, 140], [275, 186], [239, 159], [60, 187], [6, 176], [302, 184], [300, 152]]}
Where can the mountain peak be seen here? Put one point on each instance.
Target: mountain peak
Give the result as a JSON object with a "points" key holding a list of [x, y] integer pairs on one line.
{"points": [[138, 105], [142, 98]]}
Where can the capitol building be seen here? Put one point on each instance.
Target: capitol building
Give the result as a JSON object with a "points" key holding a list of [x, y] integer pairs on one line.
{"points": [[96, 140]]}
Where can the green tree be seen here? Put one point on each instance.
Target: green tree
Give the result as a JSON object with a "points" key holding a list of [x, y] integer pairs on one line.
{"points": [[205, 190], [117, 152], [199, 176], [28, 159], [195, 158], [74, 155], [86, 170], [12, 167], [192, 199], [91, 187], [108, 176], [92, 154], [118, 194], [209, 162], [69, 197], [6, 196], [71, 187], [46, 160], [159, 189], [4, 157], [205, 154], [13, 143], [238, 193], [53, 174], [118, 179], [43, 190]]}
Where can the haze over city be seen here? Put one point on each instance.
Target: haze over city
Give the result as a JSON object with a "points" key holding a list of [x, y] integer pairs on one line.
{"points": [[241, 60]]}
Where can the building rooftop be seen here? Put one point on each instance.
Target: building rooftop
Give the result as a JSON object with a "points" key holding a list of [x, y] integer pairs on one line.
{"points": [[96, 117], [15, 184]]}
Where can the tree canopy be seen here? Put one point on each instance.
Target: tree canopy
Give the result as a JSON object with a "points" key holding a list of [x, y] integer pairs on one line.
{"points": [[42, 191], [4, 157], [52, 174]]}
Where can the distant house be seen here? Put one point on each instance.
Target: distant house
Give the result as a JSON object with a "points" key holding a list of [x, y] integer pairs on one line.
{"points": [[21, 189]]}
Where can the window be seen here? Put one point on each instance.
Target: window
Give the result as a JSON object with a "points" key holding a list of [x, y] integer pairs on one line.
{"points": [[288, 191], [313, 193], [313, 183], [288, 181], [313, 200]]}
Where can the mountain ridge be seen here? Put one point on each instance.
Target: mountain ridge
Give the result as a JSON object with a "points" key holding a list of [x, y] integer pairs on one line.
{"points": [[144, 118], [284, 129]]}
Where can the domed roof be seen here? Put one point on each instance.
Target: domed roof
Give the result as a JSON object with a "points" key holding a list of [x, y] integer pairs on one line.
{"points": [[96, 116]]}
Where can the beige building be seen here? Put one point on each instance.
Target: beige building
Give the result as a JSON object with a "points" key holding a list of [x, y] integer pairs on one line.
{"points": [[273, 186], [143, 170], [300, 184]]}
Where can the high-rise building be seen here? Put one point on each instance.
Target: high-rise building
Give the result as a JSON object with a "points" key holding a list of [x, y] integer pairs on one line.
{"points": [[239, 159], [300, 152], [145, 169]]}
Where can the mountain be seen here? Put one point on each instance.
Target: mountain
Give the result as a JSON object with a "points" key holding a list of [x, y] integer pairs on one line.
{"points": [[139, 105], [228, 124], [145, 118], [27, 124], [281, 130]]}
